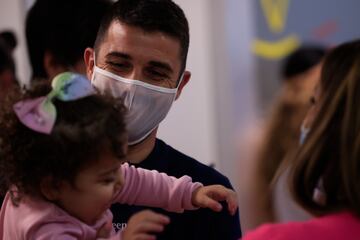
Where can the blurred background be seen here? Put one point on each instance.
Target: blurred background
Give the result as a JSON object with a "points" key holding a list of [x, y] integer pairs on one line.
{"points": [[236, 49]]}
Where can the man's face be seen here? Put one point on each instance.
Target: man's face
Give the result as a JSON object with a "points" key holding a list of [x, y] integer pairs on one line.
{"points": [[130, 52]]}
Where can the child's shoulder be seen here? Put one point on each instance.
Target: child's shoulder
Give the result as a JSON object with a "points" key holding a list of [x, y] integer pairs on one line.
{"points": [[33, 216]]}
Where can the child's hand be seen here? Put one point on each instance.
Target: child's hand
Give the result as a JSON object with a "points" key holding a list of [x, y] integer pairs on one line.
{"points": [[209, 197], [142, 225]]}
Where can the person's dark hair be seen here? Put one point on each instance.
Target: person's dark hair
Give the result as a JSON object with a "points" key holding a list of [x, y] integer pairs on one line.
{"points": [[302, 60], [6, 60], [83, 129], [332, 150], [9, 39], [65, 28], [151, 16]]}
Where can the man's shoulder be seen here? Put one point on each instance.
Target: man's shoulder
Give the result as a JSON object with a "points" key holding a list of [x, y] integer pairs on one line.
{"points": [[181, 164]]}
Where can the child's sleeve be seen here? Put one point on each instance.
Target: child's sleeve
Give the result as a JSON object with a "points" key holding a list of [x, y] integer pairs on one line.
{"points": [[154, 189], [50, 231]]}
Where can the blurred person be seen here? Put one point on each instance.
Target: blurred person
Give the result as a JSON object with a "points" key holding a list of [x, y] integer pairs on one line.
{"points": [[140, 55], [279, 137], [7, 71], [328, 161], [58, 32], [7, 80], [9, 38]]}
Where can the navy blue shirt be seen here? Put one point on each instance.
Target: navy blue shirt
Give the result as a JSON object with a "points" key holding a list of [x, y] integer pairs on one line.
{"points": [[197, 224]]}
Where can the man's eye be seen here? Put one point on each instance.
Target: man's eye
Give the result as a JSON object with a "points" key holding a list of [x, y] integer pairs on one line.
{"points": [[157, 74], [119, 65]]}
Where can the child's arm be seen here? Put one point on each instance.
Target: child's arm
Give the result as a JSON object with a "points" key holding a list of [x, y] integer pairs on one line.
{"points": [[154, 189]]}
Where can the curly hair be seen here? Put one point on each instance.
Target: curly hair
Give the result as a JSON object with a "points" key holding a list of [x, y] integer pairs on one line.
{"points": [[82, 130]]}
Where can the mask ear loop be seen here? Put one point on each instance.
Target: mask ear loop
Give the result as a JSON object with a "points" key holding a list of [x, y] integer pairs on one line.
{"points": [[304, 132], [178, 85], [93, 74], [180, 79]]}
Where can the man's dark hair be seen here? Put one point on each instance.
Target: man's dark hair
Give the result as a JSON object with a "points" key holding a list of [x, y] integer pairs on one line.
{"points": [[151, 16], [302, 60], [65, 28]]}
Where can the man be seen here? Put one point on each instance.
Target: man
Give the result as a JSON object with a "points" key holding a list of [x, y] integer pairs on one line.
{"points": [[140, 55], [58, 32]]}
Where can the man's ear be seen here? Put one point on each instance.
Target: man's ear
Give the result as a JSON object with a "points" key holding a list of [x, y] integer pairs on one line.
{"points": [[51, 66], [49, 190], [89, 62], [185, 80]]}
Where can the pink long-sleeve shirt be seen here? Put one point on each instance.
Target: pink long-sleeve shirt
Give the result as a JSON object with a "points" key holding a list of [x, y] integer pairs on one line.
{"points": [[43, 220], [338, 226]]}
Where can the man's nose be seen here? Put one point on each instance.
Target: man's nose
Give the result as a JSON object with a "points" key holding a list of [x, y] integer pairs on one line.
{"points": [[135, 74]]}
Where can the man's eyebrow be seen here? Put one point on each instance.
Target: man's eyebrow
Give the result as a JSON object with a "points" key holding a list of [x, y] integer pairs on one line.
{"points": [[118, 55], [162, 65]]}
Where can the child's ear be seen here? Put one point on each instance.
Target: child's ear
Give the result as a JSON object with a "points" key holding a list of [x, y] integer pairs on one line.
{"points": [[49, 190]]}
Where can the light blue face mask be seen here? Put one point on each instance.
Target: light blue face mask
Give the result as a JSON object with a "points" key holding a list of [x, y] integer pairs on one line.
{"points": [[304, 131]]}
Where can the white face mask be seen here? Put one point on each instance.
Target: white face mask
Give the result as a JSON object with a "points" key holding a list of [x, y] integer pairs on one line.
{"points": [[319, 195], [304, 131], [147, 104]]}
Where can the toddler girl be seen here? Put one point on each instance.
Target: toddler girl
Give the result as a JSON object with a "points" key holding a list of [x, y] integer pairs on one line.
{"points": [[61, 161]]}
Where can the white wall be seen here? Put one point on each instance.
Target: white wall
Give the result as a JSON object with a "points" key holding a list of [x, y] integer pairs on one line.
{"points": [[235, 104], [220, 101], [190, 125], [12, 17]]}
